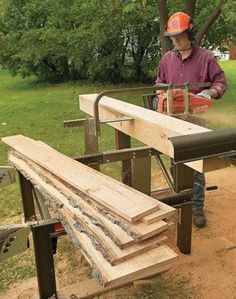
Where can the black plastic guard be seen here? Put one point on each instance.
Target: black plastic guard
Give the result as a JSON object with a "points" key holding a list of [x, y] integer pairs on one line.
{"points": [[204, 145]]}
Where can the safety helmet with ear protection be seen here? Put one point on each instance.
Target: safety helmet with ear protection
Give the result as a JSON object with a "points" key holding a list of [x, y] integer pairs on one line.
{"points": [[178, 23]]}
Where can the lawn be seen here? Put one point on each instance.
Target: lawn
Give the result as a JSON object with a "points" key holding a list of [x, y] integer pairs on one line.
{"points": [[37, 110]]}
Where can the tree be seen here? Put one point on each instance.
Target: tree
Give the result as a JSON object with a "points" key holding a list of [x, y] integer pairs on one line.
{"points": [[207, 35], [60, 40], [102, 40]]}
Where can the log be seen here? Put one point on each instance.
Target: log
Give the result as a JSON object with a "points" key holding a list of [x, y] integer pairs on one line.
{"points": [[145, 122]]}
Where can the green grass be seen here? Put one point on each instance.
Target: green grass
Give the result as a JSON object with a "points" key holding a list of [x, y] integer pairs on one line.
{"points": [[223, 112], [229, 103], [38, 110], [16, 269]]}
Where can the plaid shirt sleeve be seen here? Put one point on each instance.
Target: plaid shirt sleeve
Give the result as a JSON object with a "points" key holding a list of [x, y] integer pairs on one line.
{"points": [[217, 77]]}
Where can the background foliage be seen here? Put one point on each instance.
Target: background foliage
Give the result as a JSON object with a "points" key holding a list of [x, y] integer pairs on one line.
{"points": [[101, 40]]}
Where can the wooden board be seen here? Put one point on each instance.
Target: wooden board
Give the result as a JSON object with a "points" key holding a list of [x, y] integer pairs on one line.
{"points": [[125, 201], [46, 182], [145, 123], [120, 237], [144, 265], [112, 253], [164, 212]]}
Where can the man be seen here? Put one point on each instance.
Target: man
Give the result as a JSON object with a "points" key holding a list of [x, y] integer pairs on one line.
{"points": [[187, 63]]}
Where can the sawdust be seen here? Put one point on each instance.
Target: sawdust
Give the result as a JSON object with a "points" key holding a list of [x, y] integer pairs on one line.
{"points": [[211, 268], [218, 118]]}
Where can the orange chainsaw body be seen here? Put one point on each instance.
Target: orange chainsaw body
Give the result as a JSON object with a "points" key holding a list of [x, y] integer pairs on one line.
{"points": [[196, 104]]}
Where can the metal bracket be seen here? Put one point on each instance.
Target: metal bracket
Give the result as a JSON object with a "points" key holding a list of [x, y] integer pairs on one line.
{"points": [[81, 122], [170, 99], [16, 240], [186, 98], [110, 92]]}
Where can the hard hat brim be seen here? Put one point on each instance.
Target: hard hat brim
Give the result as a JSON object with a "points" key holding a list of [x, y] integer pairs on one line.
{"points": [[173, 33]]}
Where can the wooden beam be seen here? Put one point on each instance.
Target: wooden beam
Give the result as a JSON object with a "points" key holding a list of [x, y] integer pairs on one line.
{"points": [[150, 127], [126, 202]]}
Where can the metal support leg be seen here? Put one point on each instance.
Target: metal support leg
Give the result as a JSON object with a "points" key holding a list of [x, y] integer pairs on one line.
{"points": [[184, 228], [141, 174], [123, 141], [91, 141], [27, 198], [44, 260], [183, 179]]}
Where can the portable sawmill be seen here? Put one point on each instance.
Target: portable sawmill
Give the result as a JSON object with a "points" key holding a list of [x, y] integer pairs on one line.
{"points": [[121, 228]]}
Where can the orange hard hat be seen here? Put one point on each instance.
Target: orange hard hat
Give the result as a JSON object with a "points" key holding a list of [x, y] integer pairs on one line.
{"points": [[178, 23]]}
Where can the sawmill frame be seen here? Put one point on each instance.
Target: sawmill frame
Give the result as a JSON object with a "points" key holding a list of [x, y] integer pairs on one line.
{"points": [[136, 173]]}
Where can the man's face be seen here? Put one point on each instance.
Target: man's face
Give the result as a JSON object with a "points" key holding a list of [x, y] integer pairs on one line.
{"points": [[181, 41]]}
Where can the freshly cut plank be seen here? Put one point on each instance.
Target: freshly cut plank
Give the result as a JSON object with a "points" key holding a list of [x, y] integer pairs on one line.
{"points": [[150, 127], [125, 201], [147, 231], [138, 267], [46, 182], [119, 236], [111, 252], [144, 265], [164, 212]]}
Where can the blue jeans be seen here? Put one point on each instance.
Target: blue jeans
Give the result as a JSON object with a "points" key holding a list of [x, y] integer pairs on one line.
{"points": [[198, 189]]}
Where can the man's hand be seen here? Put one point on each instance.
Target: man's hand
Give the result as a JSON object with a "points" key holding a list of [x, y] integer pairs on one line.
{"points": [[206, 94]]}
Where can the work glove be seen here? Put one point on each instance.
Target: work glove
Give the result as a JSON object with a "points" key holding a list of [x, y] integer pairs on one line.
{"points": [[205, 93], [155, 103]]}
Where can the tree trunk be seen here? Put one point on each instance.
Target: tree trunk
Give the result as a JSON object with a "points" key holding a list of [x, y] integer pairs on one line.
{"points": [[212, 18], [163, 12], [190, 7]]}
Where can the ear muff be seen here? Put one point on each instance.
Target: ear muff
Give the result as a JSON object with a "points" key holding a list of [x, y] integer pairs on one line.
{"points": [[191, 30]]}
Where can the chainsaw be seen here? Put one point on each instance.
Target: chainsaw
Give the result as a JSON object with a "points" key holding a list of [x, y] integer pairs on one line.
{"points": [[196, 103], [177, 99]]}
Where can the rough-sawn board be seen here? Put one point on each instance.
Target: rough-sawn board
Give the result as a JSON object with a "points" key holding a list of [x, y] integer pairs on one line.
{"points": [[129, 203]]}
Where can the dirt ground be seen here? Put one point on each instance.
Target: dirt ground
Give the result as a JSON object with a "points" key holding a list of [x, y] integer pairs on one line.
{"points": [[209, 272]]}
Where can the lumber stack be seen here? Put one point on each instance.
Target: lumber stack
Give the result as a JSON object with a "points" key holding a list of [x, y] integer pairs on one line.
{"points": [[119, 230]]}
